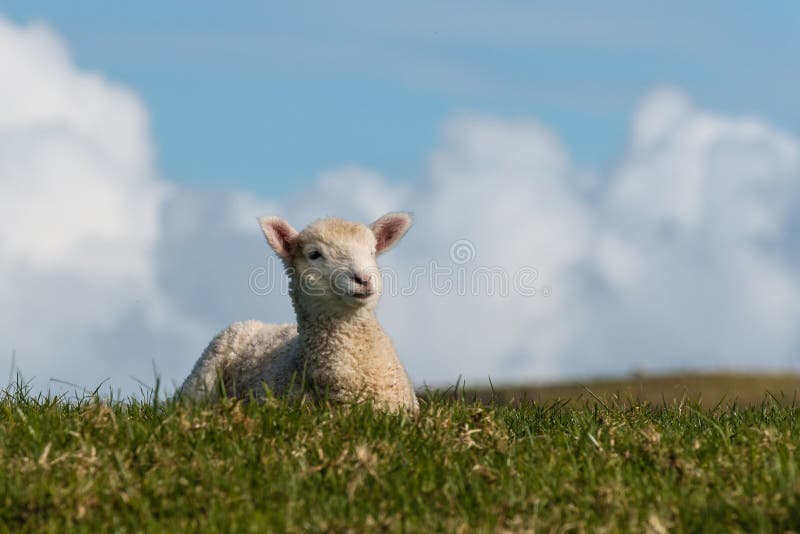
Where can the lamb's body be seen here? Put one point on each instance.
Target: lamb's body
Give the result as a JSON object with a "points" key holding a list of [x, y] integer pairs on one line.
{"points": [[337, 351], [246, 356], [341, 361]]}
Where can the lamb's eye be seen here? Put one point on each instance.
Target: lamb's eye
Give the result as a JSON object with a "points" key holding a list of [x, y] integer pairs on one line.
{"points": [[314, 255]]}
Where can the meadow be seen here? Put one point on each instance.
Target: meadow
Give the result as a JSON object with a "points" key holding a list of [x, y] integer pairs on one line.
{"points": [[595, 462]]}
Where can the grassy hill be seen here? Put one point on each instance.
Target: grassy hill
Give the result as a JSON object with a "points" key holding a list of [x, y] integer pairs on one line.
{"points": [[709, 389], [617, 465]]}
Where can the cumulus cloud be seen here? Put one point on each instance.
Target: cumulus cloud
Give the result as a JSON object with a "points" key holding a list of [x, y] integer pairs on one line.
{"points": [[680, 259], [694, 223], [80, 207], [500, 187]]}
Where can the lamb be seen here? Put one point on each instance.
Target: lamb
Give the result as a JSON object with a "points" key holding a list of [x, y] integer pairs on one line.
{"points": [[337, 350]]}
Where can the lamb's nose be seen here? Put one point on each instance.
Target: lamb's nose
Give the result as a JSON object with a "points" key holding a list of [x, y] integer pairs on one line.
{"points": [[362, 279]]}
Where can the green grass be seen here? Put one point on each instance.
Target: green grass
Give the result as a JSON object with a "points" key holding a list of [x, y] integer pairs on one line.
{"points": [[96, 465]]}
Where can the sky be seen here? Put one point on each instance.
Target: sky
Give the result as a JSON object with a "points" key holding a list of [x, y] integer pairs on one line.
{"points": [[642, 159]]}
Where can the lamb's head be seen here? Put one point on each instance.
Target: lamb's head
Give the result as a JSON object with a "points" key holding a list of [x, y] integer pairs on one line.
{"points": [[332, 262]]}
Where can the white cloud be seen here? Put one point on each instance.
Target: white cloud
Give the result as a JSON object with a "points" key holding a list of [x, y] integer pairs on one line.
{"points": [[680, 260], [501, 186], [63, 134], [689, 220], [79, 208]]}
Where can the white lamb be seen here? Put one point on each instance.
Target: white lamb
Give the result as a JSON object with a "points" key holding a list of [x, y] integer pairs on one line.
{"points": [[337, 350]]}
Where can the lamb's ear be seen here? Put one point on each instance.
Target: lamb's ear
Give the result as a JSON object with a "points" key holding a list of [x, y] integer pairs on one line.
{"points": [[389, 229], [280, 236]]}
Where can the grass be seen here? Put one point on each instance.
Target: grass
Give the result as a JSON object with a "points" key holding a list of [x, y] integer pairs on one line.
{"points": [[97, 465], [708, 388]]}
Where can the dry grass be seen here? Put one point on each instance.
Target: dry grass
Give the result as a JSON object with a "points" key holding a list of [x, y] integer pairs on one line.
{"points": [[708, 389]]}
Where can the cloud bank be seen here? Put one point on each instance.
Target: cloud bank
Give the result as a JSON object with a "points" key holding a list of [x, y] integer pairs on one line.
{"points": [[80, 205], [681, 256]]}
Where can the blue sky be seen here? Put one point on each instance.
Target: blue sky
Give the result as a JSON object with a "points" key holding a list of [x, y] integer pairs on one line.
{"points": [[264, 95], [642, 157]]}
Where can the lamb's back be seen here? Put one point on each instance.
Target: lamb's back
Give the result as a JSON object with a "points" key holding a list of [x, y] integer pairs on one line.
{"points": [[247, 356]]}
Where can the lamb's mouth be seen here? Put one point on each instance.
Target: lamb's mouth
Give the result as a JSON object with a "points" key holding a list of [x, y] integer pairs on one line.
{"points": [[361, 295]]}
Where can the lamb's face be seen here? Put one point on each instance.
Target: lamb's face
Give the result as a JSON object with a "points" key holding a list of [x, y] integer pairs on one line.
{"points": [[333, 261]]}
